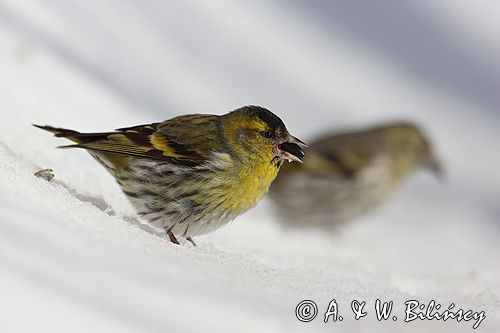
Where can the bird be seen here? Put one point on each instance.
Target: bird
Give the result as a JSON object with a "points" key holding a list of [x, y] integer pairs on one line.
{"points": [[348, 174], [193, 174]]}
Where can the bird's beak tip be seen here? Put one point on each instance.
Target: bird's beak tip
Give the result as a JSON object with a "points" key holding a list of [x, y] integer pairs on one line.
{"points": [[297, 141], [436, 168]]}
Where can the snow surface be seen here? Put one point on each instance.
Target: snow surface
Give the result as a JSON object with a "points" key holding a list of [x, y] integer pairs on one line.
{"points": [[74, 259]]}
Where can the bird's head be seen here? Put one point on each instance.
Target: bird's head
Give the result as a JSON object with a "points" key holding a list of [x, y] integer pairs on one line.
{"points": [[408, 141], [255, 133]]}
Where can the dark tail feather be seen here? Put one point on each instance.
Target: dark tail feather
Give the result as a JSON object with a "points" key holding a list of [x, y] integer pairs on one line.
{"points": [[59, 132], [74, 135]]}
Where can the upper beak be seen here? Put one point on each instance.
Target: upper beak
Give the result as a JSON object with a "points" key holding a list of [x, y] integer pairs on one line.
{"points": [[297, 141], [291, 149]]}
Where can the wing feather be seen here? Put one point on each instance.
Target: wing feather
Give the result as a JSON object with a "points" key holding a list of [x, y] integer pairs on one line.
{"points": [[185, 140]]}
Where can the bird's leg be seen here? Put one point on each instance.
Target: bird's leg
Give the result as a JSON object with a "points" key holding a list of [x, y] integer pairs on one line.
{"points": [[172, 236], [191, 240]]}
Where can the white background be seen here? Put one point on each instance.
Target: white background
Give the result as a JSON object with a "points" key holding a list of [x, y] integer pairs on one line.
{"points": [[71, 261]]}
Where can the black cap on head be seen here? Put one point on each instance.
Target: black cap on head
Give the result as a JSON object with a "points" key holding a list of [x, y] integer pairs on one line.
{"points": [[272, 120]]}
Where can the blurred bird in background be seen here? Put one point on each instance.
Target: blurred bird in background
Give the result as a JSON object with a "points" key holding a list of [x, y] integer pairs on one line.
{"points": [[348, 174], [193, 174]]}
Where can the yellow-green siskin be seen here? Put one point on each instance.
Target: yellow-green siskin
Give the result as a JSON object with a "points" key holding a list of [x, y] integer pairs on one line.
{"points": [[346, 175], [194, 173]]}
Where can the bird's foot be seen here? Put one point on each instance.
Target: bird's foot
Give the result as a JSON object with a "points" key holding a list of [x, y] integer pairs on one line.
{"points": [[191, 240], [172, 237]]}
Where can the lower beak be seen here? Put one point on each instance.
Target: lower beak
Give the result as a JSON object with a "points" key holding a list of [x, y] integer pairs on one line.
{"points": [[291, 150]]}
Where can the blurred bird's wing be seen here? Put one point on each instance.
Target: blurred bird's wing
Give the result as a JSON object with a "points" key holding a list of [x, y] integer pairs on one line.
{"points": [[345, 156], [180, 140]]}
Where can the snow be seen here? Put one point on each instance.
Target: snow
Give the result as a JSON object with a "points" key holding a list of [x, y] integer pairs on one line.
{"points": [[72, 256]]}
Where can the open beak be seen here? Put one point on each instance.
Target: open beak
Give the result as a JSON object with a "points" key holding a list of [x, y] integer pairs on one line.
{"points": [[291, 150]]}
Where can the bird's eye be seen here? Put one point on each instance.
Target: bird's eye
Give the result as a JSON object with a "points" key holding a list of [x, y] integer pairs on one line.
{"points": [[268, 134]]}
